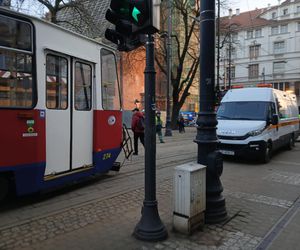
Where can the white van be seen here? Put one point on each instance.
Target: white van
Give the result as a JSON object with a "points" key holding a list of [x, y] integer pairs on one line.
{"points": [[255, 121]]}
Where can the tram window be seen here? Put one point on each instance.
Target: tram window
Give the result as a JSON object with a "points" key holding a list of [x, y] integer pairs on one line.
{"points": [[83, 86], [57, 82], [109, 84], [16, 82], [15, 34]]}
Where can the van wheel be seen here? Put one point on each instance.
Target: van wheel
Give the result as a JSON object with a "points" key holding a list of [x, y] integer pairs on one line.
{"points": [[4, 187], [291, 142], [267, 154]]}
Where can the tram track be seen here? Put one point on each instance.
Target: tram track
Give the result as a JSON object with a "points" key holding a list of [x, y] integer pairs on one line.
{"points": [[101, 188]]}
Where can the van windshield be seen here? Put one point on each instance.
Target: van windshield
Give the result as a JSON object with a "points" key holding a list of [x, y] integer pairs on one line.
{"points": [[243, 111]]}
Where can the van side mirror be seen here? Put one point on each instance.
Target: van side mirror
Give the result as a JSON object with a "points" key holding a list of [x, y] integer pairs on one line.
{"points": [[275, 119]]}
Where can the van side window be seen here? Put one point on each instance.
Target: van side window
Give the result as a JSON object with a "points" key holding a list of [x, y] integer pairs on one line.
{"points": [[283, 109], [271, 111]]}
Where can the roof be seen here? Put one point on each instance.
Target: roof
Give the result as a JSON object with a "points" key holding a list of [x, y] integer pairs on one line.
{"points": [[244, 20], [248, 94], [93, 24], [252, 19], [290, 1], [4, 10]]}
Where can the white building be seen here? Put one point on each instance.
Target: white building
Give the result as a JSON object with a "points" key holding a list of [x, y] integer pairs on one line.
{"points": [[265, 47]]}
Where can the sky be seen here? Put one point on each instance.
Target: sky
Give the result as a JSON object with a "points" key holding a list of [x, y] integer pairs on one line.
{"points": [[245, 5]]}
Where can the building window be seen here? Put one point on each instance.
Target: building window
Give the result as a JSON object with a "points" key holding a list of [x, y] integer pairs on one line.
{"points": [[254, 51], [232, 72], [249, 34], [299, 26], [258, 33], [284, 28], [298, 9], [297, 89], [285, 12], [253, 71], [278, 67], [234, 37], [274, 30], [274, 15], [279, 47], [233, 53]]}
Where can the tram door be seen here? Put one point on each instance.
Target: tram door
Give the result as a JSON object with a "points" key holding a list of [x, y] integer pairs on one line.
{"points": [[82, 115], [69, 115]]}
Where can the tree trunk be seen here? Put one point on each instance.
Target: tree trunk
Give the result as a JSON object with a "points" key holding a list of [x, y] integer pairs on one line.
{"points": [[175, 115]]}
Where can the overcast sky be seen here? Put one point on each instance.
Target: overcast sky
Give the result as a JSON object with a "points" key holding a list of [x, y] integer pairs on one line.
{"points": [[246, 5]]}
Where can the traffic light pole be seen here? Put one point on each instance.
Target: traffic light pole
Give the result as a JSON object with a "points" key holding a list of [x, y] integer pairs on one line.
{"points": [[150, 227], [206, 130], [169, 70]]}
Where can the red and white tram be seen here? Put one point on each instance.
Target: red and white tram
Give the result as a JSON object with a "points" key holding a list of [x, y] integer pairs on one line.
{"points": [[60, 107]]}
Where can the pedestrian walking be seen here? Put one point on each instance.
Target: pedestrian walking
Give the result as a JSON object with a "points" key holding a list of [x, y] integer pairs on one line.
{"points": [[138, 128], [181, 124], [158, 124]]}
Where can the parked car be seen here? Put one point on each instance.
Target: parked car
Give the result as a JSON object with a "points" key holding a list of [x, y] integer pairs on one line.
{"points": [[256, 121], [189, 117]]}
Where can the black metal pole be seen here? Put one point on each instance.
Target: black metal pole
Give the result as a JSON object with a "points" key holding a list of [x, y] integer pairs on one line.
{"points": [[150, 227], [229, 68], [206, 130], [168, 131], [218, 51]]}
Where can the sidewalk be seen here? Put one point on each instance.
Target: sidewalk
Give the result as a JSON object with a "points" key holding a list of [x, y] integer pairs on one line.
{"points": [[257, 198]]}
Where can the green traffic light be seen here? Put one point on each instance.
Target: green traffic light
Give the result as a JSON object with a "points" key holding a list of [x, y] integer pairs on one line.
{"points": [[135, 13]]}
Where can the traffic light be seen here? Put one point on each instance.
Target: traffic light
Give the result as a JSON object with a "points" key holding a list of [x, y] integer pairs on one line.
{"points": [[131, 19], [145, 15]]}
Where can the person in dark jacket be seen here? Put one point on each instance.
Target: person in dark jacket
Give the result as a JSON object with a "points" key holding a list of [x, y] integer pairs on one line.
{"points": [[181, 124], [138, 127]]}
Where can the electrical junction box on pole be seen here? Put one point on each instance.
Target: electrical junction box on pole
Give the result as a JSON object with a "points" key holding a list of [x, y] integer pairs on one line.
{"points": [[189, 197]]}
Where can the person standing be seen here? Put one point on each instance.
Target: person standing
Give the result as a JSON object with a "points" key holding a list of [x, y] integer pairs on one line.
{"points": [[158, 124], [181, 124], [138, 128]]}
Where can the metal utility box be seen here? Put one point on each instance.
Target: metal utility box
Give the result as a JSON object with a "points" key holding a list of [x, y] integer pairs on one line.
{"points": [[189, 197]]}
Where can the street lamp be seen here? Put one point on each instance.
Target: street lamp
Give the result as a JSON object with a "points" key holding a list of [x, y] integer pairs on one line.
{"points": [[168, 131], [150, 226], [206, 130]]}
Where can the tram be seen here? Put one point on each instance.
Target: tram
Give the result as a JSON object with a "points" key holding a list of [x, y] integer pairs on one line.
{"points": [[60, 106]]}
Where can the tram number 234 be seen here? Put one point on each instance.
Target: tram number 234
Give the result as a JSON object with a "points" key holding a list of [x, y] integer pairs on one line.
{"points": [[106, 156]]}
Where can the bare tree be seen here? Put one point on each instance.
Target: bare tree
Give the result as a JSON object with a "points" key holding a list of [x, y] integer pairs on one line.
{"points": [[185, 35], [75, 14], [5, 3]]}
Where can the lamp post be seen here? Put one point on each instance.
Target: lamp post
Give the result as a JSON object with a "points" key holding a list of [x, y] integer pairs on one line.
{"points": [[168, 131], [150, 227], [218, 49], [264, 75], [229, 59], [206, 130]]}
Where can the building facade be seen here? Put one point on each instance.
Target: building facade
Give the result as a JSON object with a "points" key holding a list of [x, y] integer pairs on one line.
{"points": [[262, 48]]}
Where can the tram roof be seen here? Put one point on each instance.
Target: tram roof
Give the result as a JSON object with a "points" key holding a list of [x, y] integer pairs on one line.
{"points": [[16, 13]]}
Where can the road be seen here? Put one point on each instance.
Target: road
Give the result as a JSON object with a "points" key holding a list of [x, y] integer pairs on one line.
{"points": [[257, 196]]}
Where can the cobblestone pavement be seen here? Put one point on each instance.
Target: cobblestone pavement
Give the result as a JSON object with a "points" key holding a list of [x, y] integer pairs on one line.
{"points": [[257, 196]]}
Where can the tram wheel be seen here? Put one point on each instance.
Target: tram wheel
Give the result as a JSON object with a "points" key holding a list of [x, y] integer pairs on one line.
{"points": [[4, 187]]}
